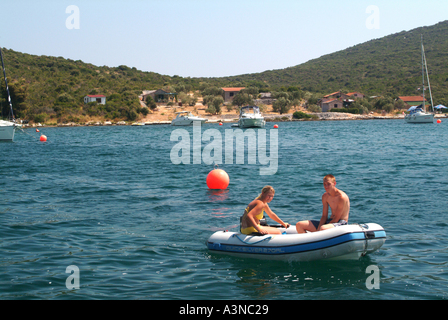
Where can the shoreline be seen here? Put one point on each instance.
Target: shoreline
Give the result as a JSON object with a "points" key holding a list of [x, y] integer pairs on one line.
{"points": [[323, 116]]}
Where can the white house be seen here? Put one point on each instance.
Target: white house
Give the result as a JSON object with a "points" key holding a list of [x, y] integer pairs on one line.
{"points": [[95, 97]]}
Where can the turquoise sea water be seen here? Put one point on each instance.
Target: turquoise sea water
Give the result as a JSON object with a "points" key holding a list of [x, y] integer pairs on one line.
{"points": [[109, 201]]}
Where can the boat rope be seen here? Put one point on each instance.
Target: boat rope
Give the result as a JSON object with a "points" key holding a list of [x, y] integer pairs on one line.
{"points": [[366, 244], [251, 243], [24, 131]]}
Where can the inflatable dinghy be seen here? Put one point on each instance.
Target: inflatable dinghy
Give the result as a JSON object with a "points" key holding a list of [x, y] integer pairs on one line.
{"points": [[344, 242]]}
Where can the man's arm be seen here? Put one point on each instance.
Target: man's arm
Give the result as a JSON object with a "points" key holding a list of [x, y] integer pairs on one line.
{"points": [[324, 217]]}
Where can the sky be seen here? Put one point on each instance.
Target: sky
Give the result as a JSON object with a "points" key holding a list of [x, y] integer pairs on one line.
{"points": [[205, 38]]}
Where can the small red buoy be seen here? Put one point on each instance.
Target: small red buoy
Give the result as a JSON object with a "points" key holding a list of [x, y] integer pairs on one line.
{"points": [[275, 126], [217, 179], [439, 121], [37, 130], [43, 138], [220, 123]]}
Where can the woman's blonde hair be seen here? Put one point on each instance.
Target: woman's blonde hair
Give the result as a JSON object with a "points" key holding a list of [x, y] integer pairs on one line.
{"points": [[265, 190]]}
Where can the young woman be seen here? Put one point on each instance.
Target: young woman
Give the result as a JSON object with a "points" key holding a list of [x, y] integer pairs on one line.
{"points": [[250, 221]]}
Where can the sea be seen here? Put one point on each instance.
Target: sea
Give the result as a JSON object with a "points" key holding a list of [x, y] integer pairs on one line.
{"points": [[108, 213]]}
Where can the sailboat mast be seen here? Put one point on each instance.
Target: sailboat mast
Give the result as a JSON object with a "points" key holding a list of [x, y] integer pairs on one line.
{"points": [[423, 76], [7, 88], [427, 77]]}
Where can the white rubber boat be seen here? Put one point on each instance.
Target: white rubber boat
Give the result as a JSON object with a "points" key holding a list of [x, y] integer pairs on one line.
{"points": [[344, 242]]}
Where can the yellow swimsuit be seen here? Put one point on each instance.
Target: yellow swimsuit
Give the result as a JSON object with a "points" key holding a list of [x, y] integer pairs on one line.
{"points": [[250, 230]]}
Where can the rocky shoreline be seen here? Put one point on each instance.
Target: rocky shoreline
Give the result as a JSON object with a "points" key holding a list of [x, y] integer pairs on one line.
{"points": [[322, 116]]}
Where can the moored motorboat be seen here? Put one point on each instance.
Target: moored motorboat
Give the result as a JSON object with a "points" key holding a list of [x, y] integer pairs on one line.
{"points": [[186, 118], [250, 117], [344, 242]]}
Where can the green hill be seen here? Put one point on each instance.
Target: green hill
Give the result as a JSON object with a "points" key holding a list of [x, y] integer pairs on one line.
{"points": [[386, 66], [45, 88]]}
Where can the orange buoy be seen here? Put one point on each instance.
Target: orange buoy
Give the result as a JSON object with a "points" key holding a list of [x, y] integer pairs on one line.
{"points": [[275, 126], [439, 121], [37, 130], [217, 179], [43, 138]]}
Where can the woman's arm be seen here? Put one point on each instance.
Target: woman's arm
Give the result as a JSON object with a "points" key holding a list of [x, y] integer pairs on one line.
{"points": [[274, 217]]}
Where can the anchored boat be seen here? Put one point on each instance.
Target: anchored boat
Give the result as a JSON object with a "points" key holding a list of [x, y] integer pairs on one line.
{"points": [[344, 242], [186, 118], [419, 114], [7, 128], [250, 117]]}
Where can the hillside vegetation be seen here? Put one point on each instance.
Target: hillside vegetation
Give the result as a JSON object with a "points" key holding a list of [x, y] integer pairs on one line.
{"points": [[47, 88], [386, 66]]}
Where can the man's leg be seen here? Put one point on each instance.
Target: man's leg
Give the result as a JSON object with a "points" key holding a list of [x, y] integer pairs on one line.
{"points": [[306, 225]]}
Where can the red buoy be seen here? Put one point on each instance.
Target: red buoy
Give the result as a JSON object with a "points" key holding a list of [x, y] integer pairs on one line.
{"points": [[217, 179], [43, 138], [275, 126], [439, 121], [37, 130]]}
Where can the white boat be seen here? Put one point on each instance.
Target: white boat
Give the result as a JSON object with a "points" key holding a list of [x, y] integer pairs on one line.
{"points": [[186, 118], [419, 114], [344, 242], [250, 117], [7, 128]]}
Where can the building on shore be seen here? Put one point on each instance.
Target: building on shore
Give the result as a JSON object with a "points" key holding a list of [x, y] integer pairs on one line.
{"points": [[413, 100], [230, 93], [327, 104], [158, 95], [338, 100], [99, 98]]}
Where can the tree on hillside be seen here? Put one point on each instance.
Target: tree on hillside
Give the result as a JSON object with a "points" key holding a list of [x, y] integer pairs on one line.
{"points": [[242, 98], [214, 104], [281, 105], [150, 102]]}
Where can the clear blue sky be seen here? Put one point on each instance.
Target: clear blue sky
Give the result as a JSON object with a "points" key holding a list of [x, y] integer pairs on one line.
{"points": [[205, 38]]}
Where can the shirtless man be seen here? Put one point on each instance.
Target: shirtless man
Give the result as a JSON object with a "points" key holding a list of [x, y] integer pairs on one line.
{"points": [[340, 208]]}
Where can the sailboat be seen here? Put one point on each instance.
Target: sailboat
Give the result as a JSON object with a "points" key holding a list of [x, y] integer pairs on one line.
{"points": [[418, 114], [7, 128]]}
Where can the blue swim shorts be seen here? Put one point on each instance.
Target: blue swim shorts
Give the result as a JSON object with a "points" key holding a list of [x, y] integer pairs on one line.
{"points": [[337, 224]]}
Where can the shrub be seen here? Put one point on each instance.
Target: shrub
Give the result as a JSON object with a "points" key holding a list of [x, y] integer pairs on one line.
{"points": [[303, 115], [314, 108], [42, 117], [150, 103], [347, 110]]}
